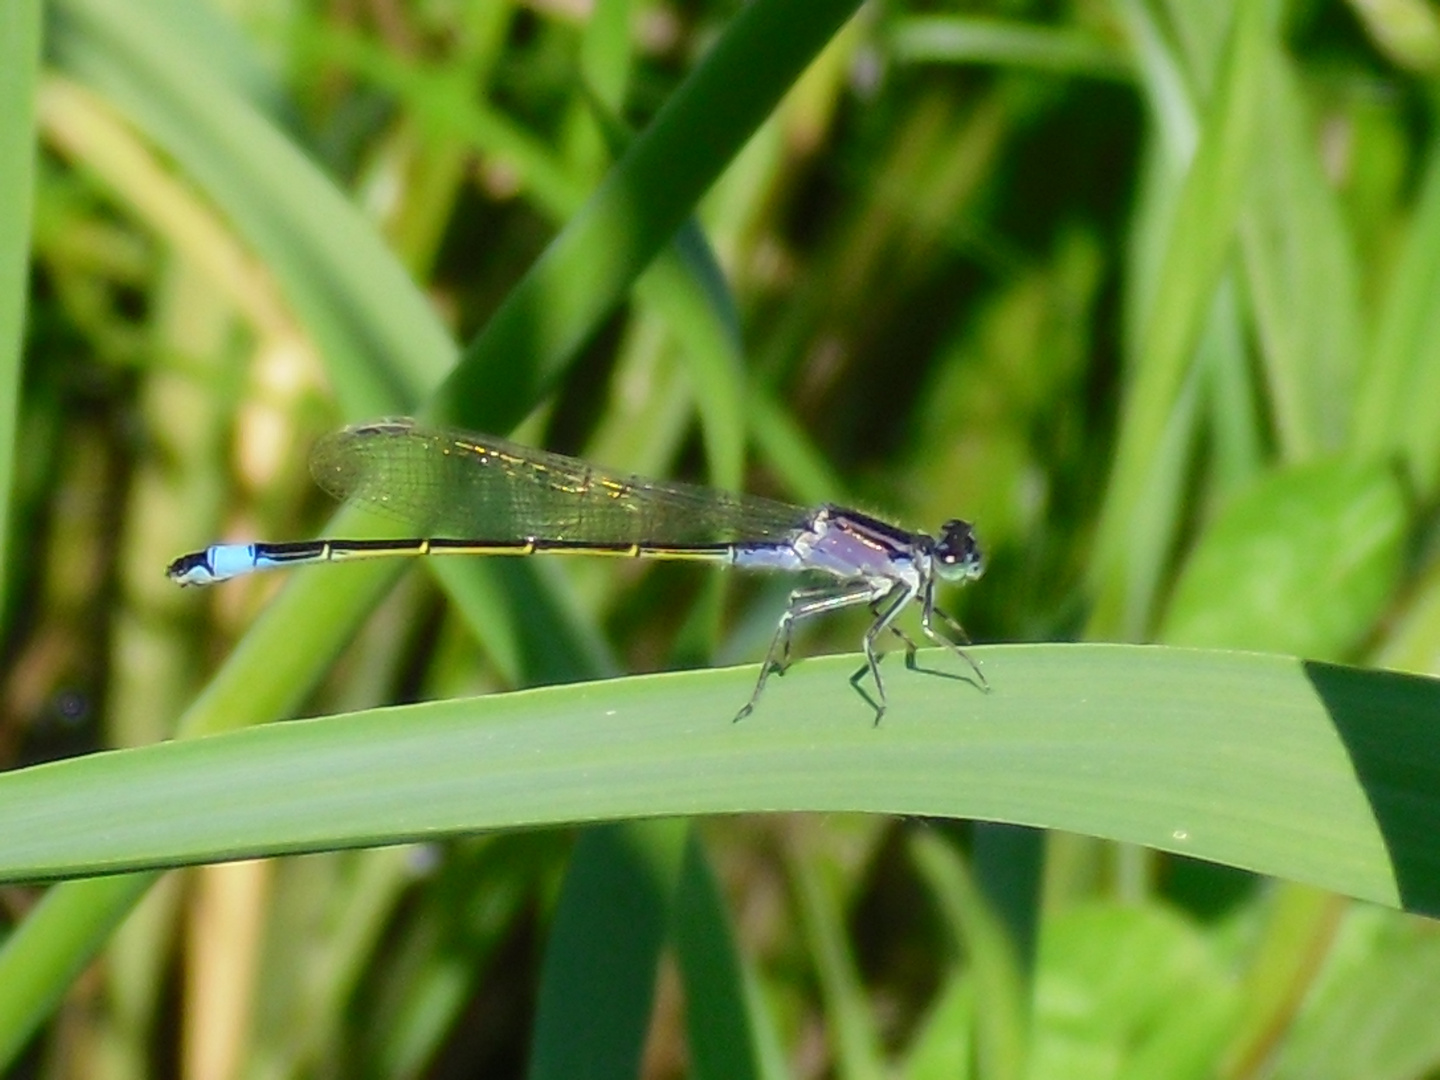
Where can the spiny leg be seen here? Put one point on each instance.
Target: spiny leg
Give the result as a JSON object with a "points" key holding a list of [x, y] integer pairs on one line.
{"points": [[898, 596], [911, 648], [927, 614], [803, 604], [905, 639]]}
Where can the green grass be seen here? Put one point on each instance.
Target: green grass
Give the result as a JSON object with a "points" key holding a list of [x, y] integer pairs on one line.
{"points": [[1314, 773], [19, 69], [1145, 291]]}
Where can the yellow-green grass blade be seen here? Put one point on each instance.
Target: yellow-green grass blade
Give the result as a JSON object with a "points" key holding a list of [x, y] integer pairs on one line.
{"points": [[1138, 518], [19, 65], [1311, 772], [962, 39]]}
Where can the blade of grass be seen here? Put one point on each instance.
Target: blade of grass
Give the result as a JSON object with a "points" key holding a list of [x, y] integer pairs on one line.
{"points": [[722, 1043], [1131, 545], [1376, 1019], [19, 70], [1316, 773], [999, 970], [853, 1035], [595, 995], [52, 947], [958, 39], [1303, 282], [944, 1046], [1299, 931], [1395, 412]]}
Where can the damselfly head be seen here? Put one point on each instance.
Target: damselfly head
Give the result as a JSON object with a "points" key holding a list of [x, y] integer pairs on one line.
{"points": [[956, 553]]}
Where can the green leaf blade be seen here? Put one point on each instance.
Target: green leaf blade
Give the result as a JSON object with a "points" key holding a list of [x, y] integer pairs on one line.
{"points": [[1316, 773]]}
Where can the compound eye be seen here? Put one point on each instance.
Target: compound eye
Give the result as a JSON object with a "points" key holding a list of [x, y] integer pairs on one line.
{"points": [[957, 553]]}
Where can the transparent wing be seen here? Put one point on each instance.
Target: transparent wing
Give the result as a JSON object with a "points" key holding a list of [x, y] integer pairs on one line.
{"points": [[468, 486]]}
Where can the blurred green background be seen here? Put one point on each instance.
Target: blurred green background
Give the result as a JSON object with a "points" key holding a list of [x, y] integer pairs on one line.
{"points": [[1148, 291]]}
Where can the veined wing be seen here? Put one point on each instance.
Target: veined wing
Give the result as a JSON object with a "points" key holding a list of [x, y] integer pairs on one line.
{"points": [[450, 483]]}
